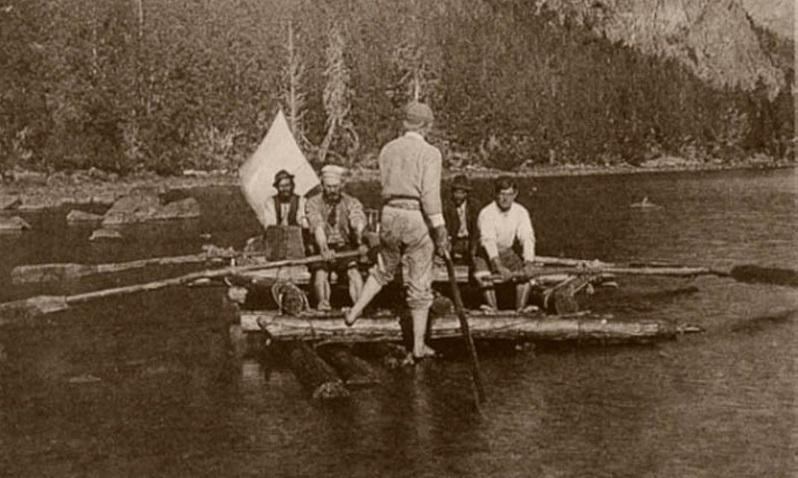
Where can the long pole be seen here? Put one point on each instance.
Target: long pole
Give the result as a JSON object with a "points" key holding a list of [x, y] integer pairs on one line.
{"points": [[476, 373]]}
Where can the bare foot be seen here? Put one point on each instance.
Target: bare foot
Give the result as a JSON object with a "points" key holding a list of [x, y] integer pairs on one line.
{"points": [[423, 352], [349, 317], [528, 309]]}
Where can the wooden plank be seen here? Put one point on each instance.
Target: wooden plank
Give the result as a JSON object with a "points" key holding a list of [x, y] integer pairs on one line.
{"points": [[577, 327]]}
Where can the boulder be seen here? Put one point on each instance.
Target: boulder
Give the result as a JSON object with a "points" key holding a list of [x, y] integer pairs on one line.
{"points": [[664, 162], [13, 224], [24, 176], [146, 206], [105, 235], [9, 202], [81, 217], [184, 209]]}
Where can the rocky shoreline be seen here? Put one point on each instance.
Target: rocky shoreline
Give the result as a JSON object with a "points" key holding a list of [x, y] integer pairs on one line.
{"points": [[29, 192]]}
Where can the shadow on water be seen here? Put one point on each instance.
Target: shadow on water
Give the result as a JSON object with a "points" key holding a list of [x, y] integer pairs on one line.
{"points": [[149, 385]]}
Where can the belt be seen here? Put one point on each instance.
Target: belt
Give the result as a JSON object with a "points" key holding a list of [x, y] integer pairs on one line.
{"points": [[403, 202]]}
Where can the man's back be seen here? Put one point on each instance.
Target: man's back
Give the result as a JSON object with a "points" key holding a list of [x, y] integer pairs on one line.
{"points": [[411, 168]]}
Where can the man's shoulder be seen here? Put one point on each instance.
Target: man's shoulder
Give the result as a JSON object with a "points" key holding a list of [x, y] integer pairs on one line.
{"points": [[519, 209], [312, 199], [488, 209]]}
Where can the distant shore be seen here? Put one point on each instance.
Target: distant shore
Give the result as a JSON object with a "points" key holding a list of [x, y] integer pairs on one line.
{"points": [[29, 192]]}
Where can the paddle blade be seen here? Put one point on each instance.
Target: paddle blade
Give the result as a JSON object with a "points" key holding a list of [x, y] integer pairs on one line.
{"points": [[41, 273], [765, 275], [19, 310]]}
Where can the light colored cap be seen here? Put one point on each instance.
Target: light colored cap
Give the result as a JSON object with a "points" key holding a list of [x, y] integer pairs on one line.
{"points": [[332, 174], [417, 115]]}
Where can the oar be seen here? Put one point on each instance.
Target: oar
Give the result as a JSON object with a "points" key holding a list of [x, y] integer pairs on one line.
{"points": [[565, 261], [45, 304], [65, 271], [746, 273], [476, 374], [56, 272]]}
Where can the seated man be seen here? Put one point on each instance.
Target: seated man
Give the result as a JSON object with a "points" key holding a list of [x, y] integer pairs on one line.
{"points": [[337, 222], [286, 208], [461, 222], [507, 243]]}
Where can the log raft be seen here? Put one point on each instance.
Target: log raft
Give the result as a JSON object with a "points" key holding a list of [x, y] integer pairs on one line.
{"points": [[534, 326]]}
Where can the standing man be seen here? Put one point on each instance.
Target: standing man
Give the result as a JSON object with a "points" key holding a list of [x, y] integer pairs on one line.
{"points": [[337, 222], [508, 243], [410, 174], [461, 222], [286, 208]]}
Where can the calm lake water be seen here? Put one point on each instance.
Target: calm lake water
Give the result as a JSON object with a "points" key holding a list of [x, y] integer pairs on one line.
{"points": [[148, 386]]}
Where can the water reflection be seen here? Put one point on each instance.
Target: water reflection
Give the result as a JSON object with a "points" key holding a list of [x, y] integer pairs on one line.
{"points": [[172, 399]]}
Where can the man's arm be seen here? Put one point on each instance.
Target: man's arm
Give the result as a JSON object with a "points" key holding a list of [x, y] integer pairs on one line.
{"points": [[489, 238], [431, 200], [431, 189], [487, 234], [357, 218], [313, 217], [526, 235], [302, 219]]}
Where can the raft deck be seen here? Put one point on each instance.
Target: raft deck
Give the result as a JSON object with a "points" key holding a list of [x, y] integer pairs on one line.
{"points": [[532, 326]]}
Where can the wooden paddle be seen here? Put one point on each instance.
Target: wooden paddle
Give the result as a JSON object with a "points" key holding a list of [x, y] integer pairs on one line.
{"points": [[746, 273], [66, 271], [46, 304], [476, 374], [57, 272]]}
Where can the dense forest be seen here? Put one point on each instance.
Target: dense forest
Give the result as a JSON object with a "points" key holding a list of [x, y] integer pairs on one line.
{"points": [[165, 85]]}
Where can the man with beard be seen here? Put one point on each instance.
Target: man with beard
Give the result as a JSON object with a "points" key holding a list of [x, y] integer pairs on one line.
{"points": [[337, 221], [286, 208], [410, 176]]}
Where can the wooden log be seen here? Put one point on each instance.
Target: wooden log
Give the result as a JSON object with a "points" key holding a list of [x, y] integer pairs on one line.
{"points": [[354, 371], [582, 327], [314, 374], [391, 355]]}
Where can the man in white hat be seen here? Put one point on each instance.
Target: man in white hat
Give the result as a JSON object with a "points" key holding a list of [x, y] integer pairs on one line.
{"points": [[410, 174], [337, 221]]}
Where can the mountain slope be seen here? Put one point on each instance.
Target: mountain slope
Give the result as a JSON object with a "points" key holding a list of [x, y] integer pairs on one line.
{"points": [[776, 15], [714, 38]]}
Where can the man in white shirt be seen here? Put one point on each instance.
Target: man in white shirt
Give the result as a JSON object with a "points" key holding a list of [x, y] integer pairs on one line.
{"points": [[507, 243]]}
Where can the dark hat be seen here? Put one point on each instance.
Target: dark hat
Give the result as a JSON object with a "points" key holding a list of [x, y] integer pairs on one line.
{"points": [[282, 174], [417, 115], [461, 182]]}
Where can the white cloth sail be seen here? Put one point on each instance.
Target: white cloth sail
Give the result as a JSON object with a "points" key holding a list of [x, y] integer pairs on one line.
{"points": [[278, 150]]}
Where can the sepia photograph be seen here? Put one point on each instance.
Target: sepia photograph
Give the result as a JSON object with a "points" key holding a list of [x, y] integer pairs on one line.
{"points": [[398, 238]]}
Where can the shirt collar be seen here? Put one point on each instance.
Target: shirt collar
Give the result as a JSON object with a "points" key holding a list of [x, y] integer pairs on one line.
{"points": [[499, 210], [415, 135]]}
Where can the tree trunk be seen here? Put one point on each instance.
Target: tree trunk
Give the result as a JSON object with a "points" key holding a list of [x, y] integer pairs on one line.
{"points": [[583, 327], [314, 374], [354, 371]]}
